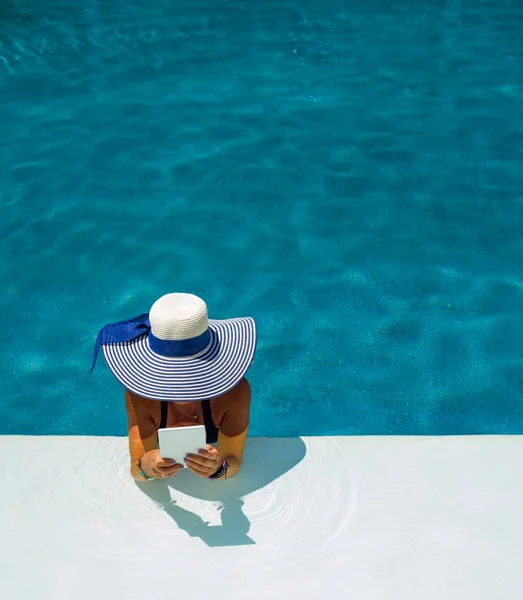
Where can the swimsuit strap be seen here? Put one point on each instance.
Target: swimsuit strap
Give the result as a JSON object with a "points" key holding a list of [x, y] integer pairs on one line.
{"points": [[165, 410], [211, 431]]}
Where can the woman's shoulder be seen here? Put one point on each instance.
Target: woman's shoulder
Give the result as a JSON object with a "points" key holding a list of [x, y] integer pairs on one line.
{"points": [[239, 394], [230, 411], [139, 403]]}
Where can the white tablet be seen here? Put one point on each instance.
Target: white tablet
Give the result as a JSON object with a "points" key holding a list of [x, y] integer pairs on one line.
{"points": [[176, 442]]}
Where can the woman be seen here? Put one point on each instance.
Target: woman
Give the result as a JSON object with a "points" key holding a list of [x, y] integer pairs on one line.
{"points": [[179, 368]]}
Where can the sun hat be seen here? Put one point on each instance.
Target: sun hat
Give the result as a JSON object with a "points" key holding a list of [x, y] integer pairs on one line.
{"points": [[176, 352]]}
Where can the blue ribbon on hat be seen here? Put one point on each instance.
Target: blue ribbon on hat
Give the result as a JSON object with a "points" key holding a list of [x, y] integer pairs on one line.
{"points": [[132, 329]]}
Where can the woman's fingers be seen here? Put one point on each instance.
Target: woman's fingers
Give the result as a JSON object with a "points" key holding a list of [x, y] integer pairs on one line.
{"points": [[167, 470], [165, 462], [210, 454], [200, 472], [194, 459], [153, 465], [173, 469], [203, 464]]}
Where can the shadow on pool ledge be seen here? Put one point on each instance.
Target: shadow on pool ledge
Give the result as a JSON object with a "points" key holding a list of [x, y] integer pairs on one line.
{"points": [[265, 460]]}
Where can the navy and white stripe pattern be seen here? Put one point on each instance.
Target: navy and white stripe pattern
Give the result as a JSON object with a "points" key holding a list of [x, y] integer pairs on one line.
{"points": [[207, 374]]}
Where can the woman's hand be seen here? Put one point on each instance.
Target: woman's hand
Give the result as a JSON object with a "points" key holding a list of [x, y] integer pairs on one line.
{"points": [[205, 463], [153, 465]]}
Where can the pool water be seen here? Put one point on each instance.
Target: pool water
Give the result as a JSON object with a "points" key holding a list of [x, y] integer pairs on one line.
{"points": [[347, 173]]}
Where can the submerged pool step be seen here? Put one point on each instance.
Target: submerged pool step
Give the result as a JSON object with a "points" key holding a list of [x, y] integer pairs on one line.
{"points": [[322, 517]]}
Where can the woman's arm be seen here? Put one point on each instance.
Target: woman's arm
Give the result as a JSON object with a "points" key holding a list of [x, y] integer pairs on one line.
{"points": [[143, 441], [231, 414], [231, 447], [142, 432]]}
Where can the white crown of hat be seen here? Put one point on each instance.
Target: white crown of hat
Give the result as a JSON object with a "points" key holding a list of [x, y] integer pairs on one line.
{"points": [[178, 317]]}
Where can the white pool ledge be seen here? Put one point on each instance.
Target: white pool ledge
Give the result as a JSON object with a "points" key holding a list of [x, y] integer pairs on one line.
{"points": [[368, 518]]}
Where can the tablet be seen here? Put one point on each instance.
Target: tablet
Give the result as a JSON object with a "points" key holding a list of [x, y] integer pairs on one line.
{"points": [[176, 442]]}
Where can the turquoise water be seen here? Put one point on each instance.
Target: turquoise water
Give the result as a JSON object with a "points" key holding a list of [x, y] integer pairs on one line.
{"points": [[347, 173]]}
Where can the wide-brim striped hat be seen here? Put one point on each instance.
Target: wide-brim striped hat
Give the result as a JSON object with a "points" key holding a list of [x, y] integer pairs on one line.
{"points": [[176, 352]]}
